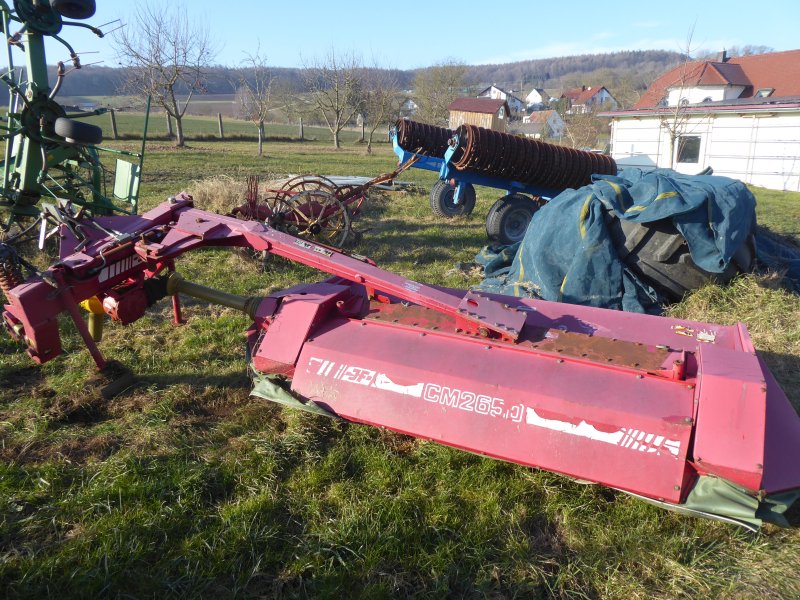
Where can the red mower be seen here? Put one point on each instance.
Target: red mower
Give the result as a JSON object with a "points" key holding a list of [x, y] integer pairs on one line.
{"points": [[679, 413]]}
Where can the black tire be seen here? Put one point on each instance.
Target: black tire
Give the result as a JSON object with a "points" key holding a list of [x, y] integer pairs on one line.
{"points": [[77, 132], [508, 219], [659, 255], [74, 9], [442, 203]]}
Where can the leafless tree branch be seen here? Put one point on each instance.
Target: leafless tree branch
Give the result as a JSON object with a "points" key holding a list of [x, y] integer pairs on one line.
{"points": [[165, 56]]}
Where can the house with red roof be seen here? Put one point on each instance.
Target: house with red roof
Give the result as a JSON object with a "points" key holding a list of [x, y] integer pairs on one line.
{"points": [[587, 99], [483, 112], [540, 124], [739, 116]]}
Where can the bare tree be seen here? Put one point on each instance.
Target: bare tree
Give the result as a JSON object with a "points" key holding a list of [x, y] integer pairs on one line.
{"points": [[381, 100], [165, 56], [583, 130], [336, 90], [674, 118], [435, 88], [254, 93], [628, 89]]}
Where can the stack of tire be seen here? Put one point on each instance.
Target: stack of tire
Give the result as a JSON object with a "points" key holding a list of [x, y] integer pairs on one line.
{"points": [[658, 255]]}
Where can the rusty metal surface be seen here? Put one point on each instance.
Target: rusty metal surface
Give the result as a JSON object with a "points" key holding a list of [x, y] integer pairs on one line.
{"points": [[606, 351], [10, 272], [532, 162], [609, 351]]}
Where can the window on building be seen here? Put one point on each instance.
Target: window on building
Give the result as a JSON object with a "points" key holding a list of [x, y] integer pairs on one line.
{"points": [[764, 92], [708, 99], [502, 112], [689, 149]]}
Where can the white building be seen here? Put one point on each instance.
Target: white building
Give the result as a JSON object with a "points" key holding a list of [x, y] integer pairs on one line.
{"points": [[408, 108], [496, 93], [541, 124], [588, 99], [537, 98], [739, 116]]}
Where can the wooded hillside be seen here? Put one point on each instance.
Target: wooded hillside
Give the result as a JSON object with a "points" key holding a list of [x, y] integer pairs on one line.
{"points": [[635, 69]]}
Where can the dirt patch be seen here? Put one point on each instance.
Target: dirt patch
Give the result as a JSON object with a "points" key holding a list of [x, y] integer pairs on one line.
{"points": [[210, 405], [398, 443], [76, 450], [90, 408], [19, 383], [80, 450]]}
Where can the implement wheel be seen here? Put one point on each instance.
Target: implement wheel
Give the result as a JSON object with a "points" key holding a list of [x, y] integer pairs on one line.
{"points": [[442, 203], [304, 183], [659, 255], [74, 9], [509, 217], [78, 132], [316, 215]]}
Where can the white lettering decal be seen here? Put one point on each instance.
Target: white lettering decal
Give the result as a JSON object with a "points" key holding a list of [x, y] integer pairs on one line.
{"points": [[626, 438], [358, 375], [492, 407], [117, 268], [313, 247], [382, 382]]}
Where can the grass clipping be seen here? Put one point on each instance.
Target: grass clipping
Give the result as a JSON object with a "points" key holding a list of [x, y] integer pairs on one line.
{"points": [[771, 314], [222, 193], [219, 194]]}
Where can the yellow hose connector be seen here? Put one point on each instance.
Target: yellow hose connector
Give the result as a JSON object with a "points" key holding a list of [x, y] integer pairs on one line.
{"points": [[96, 315]]}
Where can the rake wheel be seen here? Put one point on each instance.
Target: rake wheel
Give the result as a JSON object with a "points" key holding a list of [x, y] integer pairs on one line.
{"points": [[314, 214], [305, 183]]}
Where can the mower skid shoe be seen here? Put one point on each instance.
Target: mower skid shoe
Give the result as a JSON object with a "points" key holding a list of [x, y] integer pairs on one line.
{"points": [[111, 381]]}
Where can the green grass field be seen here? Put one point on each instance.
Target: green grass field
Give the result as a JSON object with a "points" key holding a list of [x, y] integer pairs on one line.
{"points": [[187, 487], [206, 128]]}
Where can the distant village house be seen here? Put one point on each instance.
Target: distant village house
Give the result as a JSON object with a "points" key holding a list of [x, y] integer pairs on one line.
{"points": [[740, 116], [540, 124], [496, 93], [408, 108], [483, 112], [536, 99], [587, 99]]}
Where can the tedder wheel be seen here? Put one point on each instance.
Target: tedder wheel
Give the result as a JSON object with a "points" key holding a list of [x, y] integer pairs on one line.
{"points": [[77, 132], [508, 218], [442, 203], [74, 9], [317, 215]]}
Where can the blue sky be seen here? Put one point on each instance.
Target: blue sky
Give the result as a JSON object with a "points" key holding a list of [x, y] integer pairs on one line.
{"points": [[415, 34]]}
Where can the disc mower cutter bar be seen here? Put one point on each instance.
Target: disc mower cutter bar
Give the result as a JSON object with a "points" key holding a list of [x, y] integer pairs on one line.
{"points": [[681, 413]]}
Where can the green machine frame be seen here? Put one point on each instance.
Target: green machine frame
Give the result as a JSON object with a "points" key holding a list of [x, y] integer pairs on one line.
{"points": [[49, 155]]}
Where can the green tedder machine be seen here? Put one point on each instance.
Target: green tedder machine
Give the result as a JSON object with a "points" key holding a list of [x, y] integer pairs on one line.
{"points": [[51, 156]]}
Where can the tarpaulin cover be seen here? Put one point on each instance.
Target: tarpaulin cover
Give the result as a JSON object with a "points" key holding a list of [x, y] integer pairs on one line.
{"points": [[779, 253], [567, 254]]}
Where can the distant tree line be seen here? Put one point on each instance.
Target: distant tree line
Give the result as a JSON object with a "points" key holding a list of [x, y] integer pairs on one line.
{"points": [[99, 80]]}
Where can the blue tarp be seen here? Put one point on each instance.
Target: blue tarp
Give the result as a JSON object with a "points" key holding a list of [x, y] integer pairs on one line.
{"points": [[567, 254], [781, 254]]}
